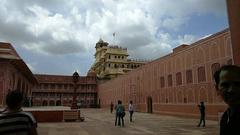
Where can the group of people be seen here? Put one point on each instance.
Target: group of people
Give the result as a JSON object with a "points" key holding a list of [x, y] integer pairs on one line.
{"points": [[227, 83], [120, 112]]}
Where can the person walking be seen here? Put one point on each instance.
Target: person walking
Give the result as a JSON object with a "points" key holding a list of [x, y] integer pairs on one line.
{"points": [[202, 112], [111, 107], [13, 120], [227, 84], [131, 110]]}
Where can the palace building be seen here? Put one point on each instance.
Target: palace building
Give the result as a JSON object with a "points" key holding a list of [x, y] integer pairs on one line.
{"points": [[173, 84], [112, 61], [14, 73], [58, 90], [42, 90]]}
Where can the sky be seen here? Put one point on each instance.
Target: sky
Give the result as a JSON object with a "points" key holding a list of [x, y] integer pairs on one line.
{"points": [[59, 36]]}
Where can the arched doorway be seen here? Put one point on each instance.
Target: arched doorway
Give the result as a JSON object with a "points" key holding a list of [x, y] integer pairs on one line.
{"points": [[51, 103], [58, 103], [149, 105], [44, 103]]}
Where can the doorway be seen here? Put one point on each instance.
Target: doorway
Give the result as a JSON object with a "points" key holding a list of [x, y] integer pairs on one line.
{"points": [[149, 105]]}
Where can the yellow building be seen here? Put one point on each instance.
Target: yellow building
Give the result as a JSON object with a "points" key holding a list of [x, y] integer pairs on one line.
{"points": [[111, 61]]}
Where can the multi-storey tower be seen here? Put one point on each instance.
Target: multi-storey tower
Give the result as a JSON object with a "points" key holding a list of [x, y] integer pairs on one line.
{"points": [[111, 61]]}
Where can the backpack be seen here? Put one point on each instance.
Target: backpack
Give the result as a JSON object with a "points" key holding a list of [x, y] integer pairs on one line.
{"points": [[121, 110]]}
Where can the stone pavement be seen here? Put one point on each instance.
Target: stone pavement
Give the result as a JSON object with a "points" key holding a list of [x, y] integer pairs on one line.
{"points": [[101, 122]]}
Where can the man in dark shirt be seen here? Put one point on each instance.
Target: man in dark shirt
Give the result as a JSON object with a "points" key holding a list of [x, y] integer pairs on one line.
{"points": [[202, 112], [13, 121], [227, 80]]}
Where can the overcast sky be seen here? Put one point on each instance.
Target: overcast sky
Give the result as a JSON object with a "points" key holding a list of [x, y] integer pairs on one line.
{"points": [[59, 36]]}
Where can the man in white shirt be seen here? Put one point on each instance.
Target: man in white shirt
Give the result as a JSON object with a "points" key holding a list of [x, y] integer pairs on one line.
{"points": [[131, 110]]}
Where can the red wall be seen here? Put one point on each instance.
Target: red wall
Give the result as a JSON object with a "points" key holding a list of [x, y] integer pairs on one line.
{"points": [[48, 116], [144, 83]]}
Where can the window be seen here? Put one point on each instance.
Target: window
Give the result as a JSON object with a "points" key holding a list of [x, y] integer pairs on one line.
{"points": [[45, 86], [169, 80], [52, 86], [214, 67], [189, 78], [179, 78], [109, 57], [162, 81], [65, 86], [109, 65], [184, 100], [166, 100], [59, 86], [229, 62], [201, 74]]}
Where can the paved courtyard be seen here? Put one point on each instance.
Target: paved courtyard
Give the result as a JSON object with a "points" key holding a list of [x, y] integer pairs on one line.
{"points": [[101, 122]]}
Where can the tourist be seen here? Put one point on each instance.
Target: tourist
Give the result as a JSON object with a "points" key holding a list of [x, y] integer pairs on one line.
{"points": [[13, 120], [111, 107], [227, 80], [120, 113], [131, 110], [202, 112]]}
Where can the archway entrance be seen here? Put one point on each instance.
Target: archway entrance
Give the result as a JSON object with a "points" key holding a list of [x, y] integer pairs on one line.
{"points": [[149, 104], [58, 103], [44, 103]]}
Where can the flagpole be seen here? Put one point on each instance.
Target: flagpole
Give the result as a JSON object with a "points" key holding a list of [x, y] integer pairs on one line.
{"points": [[114, 36]]}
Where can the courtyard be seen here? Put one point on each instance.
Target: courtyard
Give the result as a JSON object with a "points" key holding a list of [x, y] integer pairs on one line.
{"points": [[101, 122]]}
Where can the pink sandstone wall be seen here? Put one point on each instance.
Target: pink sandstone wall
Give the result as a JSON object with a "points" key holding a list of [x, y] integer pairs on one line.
{"points": [[10, 79], [149, 83]]}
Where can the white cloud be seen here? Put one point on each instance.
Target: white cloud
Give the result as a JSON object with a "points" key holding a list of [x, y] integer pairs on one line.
{"points": [[186, 39], [61, 27]]}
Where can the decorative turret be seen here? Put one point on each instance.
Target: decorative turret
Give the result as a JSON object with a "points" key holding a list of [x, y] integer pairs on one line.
{"points": [[101, 43]]}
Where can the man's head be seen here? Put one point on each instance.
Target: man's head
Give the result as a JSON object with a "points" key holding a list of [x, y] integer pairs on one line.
{"points": [[119, 102], [227, 80], [14, 99]]}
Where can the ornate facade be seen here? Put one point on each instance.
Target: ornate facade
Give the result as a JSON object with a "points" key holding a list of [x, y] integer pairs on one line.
{"points": [[176, 83], [14, 73], [56, 90], [42, 90], [111, 61], [173, 84]]}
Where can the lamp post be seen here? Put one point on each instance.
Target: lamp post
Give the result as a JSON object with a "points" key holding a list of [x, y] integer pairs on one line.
{"points": [[75, 78]]}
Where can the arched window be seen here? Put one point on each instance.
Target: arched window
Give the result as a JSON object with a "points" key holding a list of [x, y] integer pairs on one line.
{"points": [[169, 80], [201, 74], [162, 82], [229, 62], [189, 77], [179, 78], [214, 68]]}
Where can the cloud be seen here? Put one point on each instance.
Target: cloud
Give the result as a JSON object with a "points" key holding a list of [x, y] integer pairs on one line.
{"points": [[62, 27], [186, 39]]}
